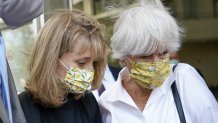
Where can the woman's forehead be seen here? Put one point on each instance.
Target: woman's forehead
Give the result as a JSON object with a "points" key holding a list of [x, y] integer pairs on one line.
{"points": [[83, 48]]}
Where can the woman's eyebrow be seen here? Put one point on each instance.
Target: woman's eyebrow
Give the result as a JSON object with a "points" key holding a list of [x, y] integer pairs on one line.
{"points": [[83, 58]]}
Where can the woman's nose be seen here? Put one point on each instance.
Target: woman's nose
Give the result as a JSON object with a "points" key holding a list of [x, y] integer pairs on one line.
{"points": [[90, 66], [155, 58]]}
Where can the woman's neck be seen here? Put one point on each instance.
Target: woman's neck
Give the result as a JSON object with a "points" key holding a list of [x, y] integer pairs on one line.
{"points": [[139, 95]]}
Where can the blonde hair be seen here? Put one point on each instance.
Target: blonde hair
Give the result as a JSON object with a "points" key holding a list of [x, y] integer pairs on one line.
{"points": [[56, 38]]}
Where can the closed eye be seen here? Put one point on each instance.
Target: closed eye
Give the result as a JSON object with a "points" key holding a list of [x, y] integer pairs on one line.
{"points": [[81, 62], [163, 54], [145, 57]]}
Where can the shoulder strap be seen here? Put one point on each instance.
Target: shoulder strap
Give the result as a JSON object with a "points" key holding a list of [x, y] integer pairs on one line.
{"points": [[177, 100], [30, 109]]}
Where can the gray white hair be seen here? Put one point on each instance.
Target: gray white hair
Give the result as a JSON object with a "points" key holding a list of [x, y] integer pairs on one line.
{"points": [[145, 30]]}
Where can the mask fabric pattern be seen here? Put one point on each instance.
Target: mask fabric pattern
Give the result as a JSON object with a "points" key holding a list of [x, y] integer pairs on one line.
{"points": [[150, 74], [77, 80]]}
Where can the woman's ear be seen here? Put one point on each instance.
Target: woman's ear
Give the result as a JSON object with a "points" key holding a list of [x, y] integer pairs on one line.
{"points": [[122, 62]]}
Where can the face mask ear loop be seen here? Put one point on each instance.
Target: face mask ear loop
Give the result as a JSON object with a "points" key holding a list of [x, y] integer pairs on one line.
{"points": [[129, 59], [63, 64]]}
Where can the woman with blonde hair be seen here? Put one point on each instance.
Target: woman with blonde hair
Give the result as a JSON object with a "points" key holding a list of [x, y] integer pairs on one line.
{"points": [[149, 89], [67, 62]]}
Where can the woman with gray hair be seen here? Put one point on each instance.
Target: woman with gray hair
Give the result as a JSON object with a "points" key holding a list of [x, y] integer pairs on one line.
{"points": [[149, 89]]}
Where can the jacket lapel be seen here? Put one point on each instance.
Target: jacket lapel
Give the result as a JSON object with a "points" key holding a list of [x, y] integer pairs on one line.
{"points": [[3, 113], [17, 112]]}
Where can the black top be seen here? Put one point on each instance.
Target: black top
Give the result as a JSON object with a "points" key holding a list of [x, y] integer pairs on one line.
{"points": [[84, 110]]}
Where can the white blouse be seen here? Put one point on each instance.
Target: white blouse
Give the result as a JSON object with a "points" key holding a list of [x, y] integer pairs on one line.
{"points": [[107, 80], [198, 102]]}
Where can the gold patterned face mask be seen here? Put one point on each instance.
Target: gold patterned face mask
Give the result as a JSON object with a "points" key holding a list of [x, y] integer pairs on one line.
{"points": [[150, 74], [77, 80]]}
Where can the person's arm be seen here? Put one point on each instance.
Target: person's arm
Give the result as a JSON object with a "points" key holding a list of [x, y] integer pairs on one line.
{"points": [[16, 13], [200, 103], [91, 108], [98, 118], [95, 108]]}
